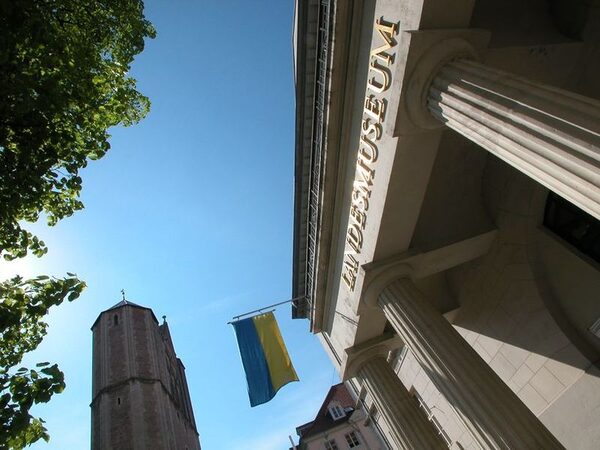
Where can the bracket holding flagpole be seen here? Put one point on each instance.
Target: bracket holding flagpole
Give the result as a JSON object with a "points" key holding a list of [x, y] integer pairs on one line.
{"points": [[270, 307]]}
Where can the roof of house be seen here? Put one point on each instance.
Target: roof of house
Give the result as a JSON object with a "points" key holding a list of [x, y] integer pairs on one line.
{"points": [[323, 421]]}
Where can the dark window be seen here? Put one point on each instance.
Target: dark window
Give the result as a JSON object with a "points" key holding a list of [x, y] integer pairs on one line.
{"points": [[572, 224], [352, 439], [330, 444], [116, 319], [118, 400]]}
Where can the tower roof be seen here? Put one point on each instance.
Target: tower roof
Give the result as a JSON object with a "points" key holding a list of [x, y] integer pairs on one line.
{"points": [[121, 304], [124, 303]]}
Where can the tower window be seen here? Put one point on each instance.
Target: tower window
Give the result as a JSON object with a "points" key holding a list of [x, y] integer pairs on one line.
{"points": [[118, 400], [116, 319]]}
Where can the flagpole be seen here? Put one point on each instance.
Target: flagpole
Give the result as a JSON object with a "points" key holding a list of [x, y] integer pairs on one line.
{"points": [[235, 318], [292, 441]]}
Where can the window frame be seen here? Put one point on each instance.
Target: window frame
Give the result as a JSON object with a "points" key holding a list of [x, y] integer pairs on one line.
{"points": [[330, 444], [336, 411], [352, 439]]}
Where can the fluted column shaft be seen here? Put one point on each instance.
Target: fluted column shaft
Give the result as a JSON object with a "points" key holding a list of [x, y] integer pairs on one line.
{"points": [[494, 415], [550, 134], [409, 428]]}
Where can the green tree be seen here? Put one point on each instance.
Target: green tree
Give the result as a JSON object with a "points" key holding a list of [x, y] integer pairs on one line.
{"points": [[63, 83], [24, 303]]}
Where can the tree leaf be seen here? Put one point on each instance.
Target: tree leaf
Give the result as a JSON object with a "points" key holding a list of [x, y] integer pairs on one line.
{"points": [[63, 82]]}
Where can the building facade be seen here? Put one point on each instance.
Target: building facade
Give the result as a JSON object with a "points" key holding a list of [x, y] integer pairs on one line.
{"points": [[140, 398], [341, 423], [447, 197]]}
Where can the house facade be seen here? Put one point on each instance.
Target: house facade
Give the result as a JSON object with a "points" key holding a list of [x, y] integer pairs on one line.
{"points": [[341, 423]]}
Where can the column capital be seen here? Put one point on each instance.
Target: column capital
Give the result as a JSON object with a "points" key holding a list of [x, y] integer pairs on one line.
{"points": [[424, 53], [359, 354], [429, 64], [377, 275]]}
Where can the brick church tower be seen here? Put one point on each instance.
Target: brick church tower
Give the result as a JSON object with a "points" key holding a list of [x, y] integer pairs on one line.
{"points": [[140, 398]]}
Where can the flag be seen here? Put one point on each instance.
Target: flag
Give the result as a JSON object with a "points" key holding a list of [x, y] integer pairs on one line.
{"points": [[266, 361]]}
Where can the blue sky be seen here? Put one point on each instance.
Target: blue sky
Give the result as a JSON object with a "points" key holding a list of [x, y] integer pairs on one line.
{"points": [[191, 213]]}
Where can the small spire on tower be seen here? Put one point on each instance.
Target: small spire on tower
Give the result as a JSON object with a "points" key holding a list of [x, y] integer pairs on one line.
{"points": [[164, 319], [123, 294]]}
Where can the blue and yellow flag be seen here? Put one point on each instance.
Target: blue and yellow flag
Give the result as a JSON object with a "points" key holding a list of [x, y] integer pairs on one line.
{"points": [[266, 361]]}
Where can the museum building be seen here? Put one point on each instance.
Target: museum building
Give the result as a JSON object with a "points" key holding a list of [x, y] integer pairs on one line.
{"points": [[447, 206]]}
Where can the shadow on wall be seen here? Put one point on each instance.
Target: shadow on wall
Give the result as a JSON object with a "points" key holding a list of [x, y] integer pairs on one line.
{"points": [[529, 302]]}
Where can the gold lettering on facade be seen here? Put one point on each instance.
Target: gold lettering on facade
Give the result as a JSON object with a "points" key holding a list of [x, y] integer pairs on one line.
{"points": [[374, 108], [354, 237], [349, 269], [383, 73], [359, 200], [378, 81], [364, 177], [358, 215], [369, 128], [386, 31], [368, 150]]}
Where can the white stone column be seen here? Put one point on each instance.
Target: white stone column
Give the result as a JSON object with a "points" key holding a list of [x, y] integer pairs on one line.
{"points": [[409, 428], [547, 133], [494, 415]]}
